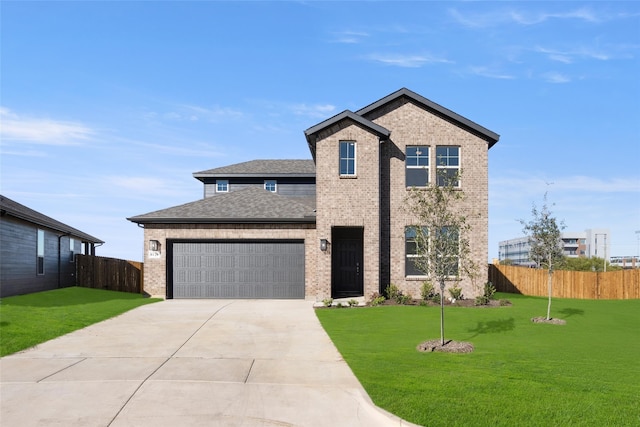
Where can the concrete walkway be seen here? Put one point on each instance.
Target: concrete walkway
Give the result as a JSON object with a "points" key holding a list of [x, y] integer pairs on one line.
{"points": [[189, 363]]}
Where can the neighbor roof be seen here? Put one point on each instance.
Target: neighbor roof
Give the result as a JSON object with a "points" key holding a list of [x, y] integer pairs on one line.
{"points": [[251, 205], [263, 168], [16, 210]]}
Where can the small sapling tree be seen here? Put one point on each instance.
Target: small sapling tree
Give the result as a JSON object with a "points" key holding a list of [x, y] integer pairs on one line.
{"points": [[545, 241], [438, 238]]}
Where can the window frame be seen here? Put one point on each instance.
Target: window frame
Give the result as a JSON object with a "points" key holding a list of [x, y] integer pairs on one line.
{"points": [[220, 183], [418, 157], [445, 166], [267, 183], [40, 251], [348, 159], [408, 256]]}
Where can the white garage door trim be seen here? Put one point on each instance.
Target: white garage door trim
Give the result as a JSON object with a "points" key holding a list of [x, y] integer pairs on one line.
{"points": [[235, 269]]}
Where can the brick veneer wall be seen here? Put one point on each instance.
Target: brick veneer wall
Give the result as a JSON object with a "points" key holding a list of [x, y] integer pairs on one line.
{"points": [[349, 201], [412, 125], [155, 269]]}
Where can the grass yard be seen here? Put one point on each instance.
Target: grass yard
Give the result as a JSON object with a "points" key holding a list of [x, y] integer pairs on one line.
{"points": [[27, 320], [585, 373]]}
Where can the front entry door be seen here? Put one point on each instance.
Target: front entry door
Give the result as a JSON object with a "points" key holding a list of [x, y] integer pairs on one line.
{"points": [[346, 263]]}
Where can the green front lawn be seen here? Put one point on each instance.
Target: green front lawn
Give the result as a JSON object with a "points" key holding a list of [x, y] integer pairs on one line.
{"points": [[520, 373], [27, 320]]}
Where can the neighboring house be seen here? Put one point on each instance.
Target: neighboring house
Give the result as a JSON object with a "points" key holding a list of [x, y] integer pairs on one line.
{"points": [[334, 226], [37, 253], [593, 242]]}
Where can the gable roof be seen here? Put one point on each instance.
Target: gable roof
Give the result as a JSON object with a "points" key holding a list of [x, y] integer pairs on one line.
{"points": [[312, 133], [263, 168], [439, 110], [251, 205], [16, 210]]}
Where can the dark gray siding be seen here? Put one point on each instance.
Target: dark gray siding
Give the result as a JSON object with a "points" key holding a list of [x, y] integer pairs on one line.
{"points": [[18, 259], [286, 186]]}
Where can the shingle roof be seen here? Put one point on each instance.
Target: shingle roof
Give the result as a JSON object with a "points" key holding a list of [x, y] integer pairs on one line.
{"points": [[251, 205], [15, 209], [264, 168]]}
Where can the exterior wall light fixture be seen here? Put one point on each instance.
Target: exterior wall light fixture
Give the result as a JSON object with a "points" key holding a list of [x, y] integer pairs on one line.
{"points": [[154, 245], [324, 243]]}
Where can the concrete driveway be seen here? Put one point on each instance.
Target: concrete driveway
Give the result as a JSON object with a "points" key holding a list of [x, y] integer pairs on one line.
{"points": [[190, 363]]}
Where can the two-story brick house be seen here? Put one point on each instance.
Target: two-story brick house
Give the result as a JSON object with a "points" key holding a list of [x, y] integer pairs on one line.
{"points": [[334, 226]]}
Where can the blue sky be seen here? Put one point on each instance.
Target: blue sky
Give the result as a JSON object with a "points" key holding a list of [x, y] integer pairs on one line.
{"points": [[107, 108]]}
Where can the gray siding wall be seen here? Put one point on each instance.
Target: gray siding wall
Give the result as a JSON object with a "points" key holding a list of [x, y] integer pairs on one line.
{"points": [[284, 188], [18, 259]]}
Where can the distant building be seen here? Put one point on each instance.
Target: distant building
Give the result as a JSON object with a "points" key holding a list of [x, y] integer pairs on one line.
{"points": [[625, 262], [593, 242]]}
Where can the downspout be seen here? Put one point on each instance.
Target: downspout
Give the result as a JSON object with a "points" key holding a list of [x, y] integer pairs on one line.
{"points": [[60, 236]]}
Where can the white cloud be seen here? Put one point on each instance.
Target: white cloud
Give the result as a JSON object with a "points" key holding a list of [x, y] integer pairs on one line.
{"points": [[555, 77], [570, 56], [521, 17], [489, 73], [406, 61], [194, 113], [42, 130], [315, 111], [349, 37]]}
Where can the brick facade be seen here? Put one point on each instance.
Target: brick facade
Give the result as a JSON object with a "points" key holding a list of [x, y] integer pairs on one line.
{"points": [[374, 199]]}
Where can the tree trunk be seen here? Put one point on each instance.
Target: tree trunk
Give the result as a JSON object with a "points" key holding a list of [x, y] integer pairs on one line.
{"points": [[549, 286], [442, 312]]}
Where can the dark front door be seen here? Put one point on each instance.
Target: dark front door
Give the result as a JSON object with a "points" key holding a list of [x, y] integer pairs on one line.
{"points": [[346, 263]]}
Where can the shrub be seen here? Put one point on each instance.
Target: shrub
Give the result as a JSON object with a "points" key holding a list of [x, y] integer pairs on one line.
{"points": [[436, 298], [352, 303], [489, 290], [392, 291], [327, 302], [376, 299], [455, 292], [404, 299], [427, 291], [482, 300]]}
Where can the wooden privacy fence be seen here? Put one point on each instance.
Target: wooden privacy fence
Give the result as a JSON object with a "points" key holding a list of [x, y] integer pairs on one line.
{"points": [[109, 273], [623, 284]]}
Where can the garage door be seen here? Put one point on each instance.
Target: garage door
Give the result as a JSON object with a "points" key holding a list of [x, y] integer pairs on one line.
{"points": [[238, 269]]}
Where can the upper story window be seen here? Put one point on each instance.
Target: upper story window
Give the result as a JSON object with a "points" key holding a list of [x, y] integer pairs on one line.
{"points": [[222, 186], [271, 185], [40, 253], [448, 165], [347, 158], [417, 163]]}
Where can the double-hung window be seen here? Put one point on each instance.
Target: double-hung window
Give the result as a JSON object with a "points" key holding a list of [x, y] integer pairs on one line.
{"points": [[40, 253], [222, 186], [448, 165], [415, 246], [447, 244], [347, 158], [417, 164], [271, 185]]}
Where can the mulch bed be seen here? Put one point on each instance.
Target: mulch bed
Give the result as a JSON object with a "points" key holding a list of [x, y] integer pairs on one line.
{"points": [[551, 321], [448, 347]]}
